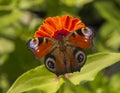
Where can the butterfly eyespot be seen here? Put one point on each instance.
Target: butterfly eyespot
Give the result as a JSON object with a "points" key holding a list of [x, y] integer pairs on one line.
{"points": [[80, 56], [50, 63], [33, 43], [87, 31]]}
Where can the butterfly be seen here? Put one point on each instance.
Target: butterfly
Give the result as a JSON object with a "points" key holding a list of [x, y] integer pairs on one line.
{"points": [[62, 40]]}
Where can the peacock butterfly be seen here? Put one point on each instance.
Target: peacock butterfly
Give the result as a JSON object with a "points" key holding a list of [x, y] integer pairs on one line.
{"points": [[61, 40]]}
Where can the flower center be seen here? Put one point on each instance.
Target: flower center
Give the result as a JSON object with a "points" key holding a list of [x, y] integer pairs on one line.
{"points": [[62, 33]]}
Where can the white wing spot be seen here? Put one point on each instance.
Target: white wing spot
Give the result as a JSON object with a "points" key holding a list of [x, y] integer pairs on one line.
{"points": [[38, 50]]}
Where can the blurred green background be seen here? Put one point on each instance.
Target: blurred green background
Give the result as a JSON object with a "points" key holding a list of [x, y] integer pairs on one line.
{"points": [[19, 19]]}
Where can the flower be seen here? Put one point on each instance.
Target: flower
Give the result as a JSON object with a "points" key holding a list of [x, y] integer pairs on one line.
{"points": [[52, 27]]}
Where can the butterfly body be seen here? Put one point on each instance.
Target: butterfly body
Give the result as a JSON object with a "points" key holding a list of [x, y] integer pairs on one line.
{"points": [[64, 58], [64, 50]]}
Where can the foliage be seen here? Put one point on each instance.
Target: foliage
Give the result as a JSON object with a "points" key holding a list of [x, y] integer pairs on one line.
{"points": [[102, 84], [41, 79], [110, 30], [20, 19]]}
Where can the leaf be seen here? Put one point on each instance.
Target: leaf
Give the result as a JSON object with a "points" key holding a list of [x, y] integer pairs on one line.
{"points": [[41, 79], [69, 87], [27, 4], [77, 3], [7, 46], [114, 84], [110, 31], [95, 63], [108, 10], [9, 19]]}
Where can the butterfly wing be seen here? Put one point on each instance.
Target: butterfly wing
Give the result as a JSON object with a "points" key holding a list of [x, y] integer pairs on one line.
{"points": [[61, 62], [40, 46], [81, 38]]}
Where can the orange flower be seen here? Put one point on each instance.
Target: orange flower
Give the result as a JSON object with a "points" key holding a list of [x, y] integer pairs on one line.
{"points": [[59, 25]]}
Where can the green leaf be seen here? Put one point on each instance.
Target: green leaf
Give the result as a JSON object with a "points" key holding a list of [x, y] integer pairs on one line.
{"points": [[7, 45], [108, 10], [77, 3], [26, 4], [41, 79], [109, 33], [68, 87], [114, 84], [95, 63], [9, 19]]}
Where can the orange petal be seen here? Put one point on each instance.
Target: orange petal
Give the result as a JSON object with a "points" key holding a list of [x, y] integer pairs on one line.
{"points": [[49, 21], [74, 22], [78, 26], [63, 18], [41, 33], [66, 22], [46, 28], [57, 21]]}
